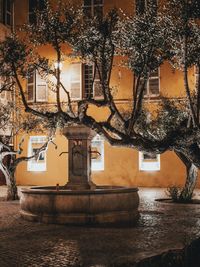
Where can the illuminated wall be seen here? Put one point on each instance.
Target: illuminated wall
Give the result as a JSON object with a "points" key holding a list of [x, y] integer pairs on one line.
{"points": [[121, 165]]}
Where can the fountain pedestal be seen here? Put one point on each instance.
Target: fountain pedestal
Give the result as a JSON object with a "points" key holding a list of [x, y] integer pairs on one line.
{"points": [[79, 148]]}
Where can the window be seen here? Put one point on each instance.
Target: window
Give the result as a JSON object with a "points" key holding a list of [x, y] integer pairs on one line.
{"points": [[36, 88], [76, 81], [143, 5], [5, 96], [149, 161], [38, 163], [196, 77], [153, 84], [81, 80], [194, 8], [35, 5], [94, 91], [6, 12], [93, 8], [140, 6], [97, 153]]}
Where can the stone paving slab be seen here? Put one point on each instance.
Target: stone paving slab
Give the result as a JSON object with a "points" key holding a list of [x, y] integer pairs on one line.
{"points": [[161, 227]]}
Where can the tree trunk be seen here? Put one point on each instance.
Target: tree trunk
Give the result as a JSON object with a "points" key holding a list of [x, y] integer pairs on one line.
{"points": [[190, 183], [191, 179], [12, 192]]}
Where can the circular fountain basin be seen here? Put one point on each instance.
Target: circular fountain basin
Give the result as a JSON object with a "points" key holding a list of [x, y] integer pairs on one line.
{"points": [[103, 205]]}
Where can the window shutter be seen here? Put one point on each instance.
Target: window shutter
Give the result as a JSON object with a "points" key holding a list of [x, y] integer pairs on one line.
{"points": [[96, 91], [76, 81], [31, 87], [41, 88], [35, 5], [140, 6], [8, 12], [1, 11], [196, 69], [98, 8], [88, 77], [153, 83]]}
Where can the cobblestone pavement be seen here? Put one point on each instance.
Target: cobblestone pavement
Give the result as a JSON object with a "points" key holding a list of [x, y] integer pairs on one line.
{"points": [[161, 227]]}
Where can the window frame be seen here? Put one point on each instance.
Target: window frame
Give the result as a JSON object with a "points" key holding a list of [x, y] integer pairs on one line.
{"points": [[148, 165], [99, 164], [147, 91], [92, 7], [35, 84], [33, 165], [5, 12], [31, 13], [142, 5], [94, 94], [5, 96], [76, 81]]}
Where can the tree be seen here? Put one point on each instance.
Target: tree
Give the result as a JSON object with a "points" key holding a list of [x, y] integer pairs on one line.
{"points": [[13, 122], [142, 43], [183, 43]]}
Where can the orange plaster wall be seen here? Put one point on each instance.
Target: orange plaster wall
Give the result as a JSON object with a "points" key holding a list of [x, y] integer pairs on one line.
{"points": [[121, 164], [122, 168], [57, 166]]}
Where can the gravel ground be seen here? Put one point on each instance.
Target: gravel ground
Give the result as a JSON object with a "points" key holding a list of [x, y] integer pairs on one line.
{"points": [[161, 227]]}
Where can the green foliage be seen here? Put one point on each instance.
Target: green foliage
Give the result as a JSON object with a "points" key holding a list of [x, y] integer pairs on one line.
{"points": [[183, 33], [55, 25], [174, 193], [14, 54], [142, 40], [179, 195]]}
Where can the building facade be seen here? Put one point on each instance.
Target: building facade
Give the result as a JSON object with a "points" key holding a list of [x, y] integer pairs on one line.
{"points": [[112, 165]]}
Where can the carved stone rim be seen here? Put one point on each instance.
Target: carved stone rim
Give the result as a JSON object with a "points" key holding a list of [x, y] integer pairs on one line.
{"points": [[62, 191]]}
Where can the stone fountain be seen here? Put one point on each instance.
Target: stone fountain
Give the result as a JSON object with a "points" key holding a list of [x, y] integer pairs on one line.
{"points": [[80, 201]]}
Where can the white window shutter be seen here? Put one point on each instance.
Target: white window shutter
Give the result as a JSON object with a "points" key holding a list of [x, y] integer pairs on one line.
{"points": [[76, 81], [41, 88]]}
